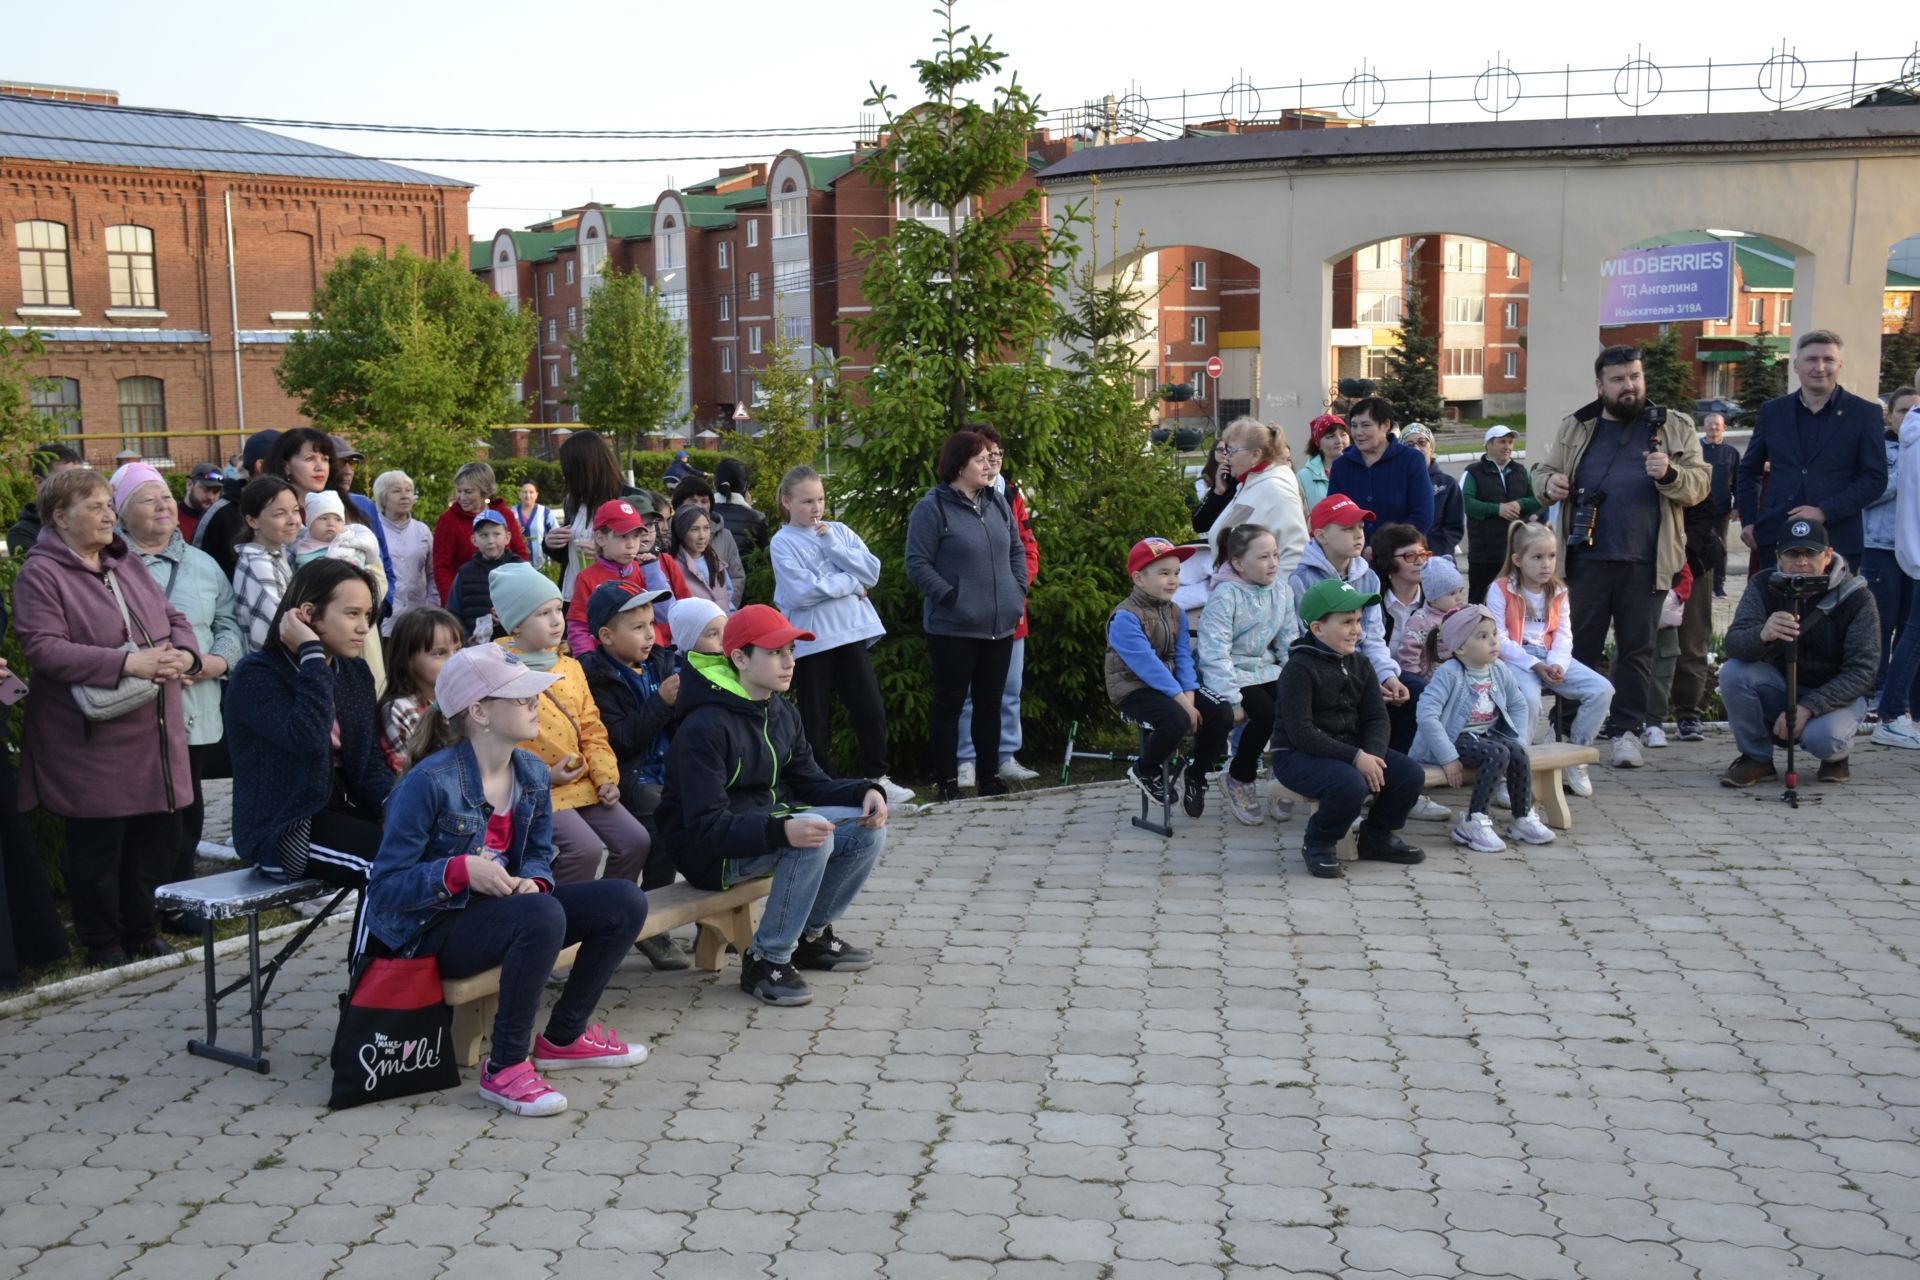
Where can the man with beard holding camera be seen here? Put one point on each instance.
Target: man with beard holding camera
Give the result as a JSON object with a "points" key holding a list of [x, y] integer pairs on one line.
{"points": [[1812, 613], [1623, 472]]}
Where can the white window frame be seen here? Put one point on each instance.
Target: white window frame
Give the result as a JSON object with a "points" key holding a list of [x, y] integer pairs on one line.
{"points": [[789, 216], [753, 233], [553, 329], [51, 256], [753, 286], [549, 283], [1510, 364], [726, 359], [573, 319], [726, 308], [1513, 315], [130, 259], [1785, 312], [721, 260], [753, 339], [1197, 275], [1756, 311], [569, 272], [1197, 330], [553, 374], [1513, 265]]}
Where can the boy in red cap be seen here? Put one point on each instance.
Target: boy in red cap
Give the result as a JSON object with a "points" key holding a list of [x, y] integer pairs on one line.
{"points": [[1151, 677], [625, 537], [745, 798]]}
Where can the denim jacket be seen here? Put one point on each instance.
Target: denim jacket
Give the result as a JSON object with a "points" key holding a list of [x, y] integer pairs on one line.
{"points": [[439, 811]]}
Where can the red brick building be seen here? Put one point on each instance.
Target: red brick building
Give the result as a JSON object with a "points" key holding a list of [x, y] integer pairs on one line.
{"points": [[166, 260]]}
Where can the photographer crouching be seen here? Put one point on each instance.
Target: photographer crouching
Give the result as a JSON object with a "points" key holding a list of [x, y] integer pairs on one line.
{"points": [[1812, 620]]}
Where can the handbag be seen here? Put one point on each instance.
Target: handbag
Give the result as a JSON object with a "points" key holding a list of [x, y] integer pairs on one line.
{"points": [[133, 692], [395, 1035]]}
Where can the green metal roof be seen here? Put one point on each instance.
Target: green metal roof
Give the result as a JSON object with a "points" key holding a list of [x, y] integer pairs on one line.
{"points": [[745, 196], [1763, 264], [708, 211], [822, 170], [479, 255], [629, 224], [541, 246]]}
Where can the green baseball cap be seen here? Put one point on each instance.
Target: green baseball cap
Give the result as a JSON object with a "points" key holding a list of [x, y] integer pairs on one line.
{"points": [[1330, 595]]}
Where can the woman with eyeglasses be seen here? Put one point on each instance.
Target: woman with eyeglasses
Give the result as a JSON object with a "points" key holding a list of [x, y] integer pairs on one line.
{"points": [[1268, 493], [1214, 487], [1397, 555]]}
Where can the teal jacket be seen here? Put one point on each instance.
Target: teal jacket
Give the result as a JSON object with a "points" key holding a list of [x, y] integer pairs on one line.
{"points": [[195, 586]]}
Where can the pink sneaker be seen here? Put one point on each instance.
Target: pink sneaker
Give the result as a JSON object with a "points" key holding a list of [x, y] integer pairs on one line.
{"points": [[520, 1089], [597, 1046]]}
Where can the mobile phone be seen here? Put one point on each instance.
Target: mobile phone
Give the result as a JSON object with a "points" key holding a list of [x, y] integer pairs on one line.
{"points": [[12, 689]]}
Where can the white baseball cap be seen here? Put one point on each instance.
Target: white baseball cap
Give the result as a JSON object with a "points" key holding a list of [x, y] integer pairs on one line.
{"points": [[1495, 432]]}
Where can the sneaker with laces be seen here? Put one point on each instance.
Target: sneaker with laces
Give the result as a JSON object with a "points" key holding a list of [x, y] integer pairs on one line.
{"points": [[1150, 787], [520, 1089], [1011, 770], [1626, 752], [830, 954], [897, 795], [597, 1046], [1427, 809], [966, 773], [1502, 798], [1574, 776], [1243, 801], [1691, 731], [1837, 770], [1323, 864], [1279, 808], [1531, 829], [1745, 771], [662, 954], [771, 983], [1654, 736], [1476, 832], [1193, 791], [1900, 732]]}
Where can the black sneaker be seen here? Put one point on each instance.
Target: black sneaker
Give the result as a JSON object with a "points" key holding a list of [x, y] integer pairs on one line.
{"points": [[152, 949], [992, 787], [1193, 791], [1323, 864], [831, 954], [772, 983], [1690, 731], [662, 954], [1149, 787], [946, 792], [1387, 846]]}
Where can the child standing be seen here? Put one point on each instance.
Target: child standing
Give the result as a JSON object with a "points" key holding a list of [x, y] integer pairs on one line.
{"points": [[1245, 632], [1330, 736], [1530, 603], [421, 642], [625, 541], [634, 688], [465, 874], [470, 600], [263, 561], [587, 816], [699, 563], [1474, 713], [1443, 590], [1151, 679], [1666, 657], [822, 572]]}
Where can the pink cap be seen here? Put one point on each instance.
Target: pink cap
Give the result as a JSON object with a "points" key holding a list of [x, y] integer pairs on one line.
{"points": [[131, 477], [485, 671]]}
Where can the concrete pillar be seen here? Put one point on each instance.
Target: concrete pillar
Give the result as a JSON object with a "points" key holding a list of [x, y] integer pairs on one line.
{"points": [[1824, 298], [1562, 314], [1296, 324]]}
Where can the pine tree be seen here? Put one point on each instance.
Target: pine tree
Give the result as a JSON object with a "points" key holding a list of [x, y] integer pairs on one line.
{"points": [[1900, 353], [1669, 377], [1412, 384], [1763, 375]]}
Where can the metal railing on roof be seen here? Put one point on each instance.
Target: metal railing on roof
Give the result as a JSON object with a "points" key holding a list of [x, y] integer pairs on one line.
{"points": [[1378, 94]]}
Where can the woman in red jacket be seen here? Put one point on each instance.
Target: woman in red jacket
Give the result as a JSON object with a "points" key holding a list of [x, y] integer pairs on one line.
{"points": [[474, 490]]}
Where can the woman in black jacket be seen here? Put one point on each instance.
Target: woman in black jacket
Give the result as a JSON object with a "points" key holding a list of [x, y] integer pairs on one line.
{"points": [[310, 782], [1215, 487]]}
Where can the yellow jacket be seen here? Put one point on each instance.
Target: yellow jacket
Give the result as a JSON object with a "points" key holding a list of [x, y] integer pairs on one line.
{"points": [[570, 726]]}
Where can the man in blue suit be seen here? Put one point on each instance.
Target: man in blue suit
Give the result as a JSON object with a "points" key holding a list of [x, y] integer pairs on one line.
{"points": [[1826, 448]]}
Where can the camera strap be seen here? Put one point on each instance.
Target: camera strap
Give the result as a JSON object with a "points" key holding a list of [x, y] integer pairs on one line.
{"points": [[1613, 454]]}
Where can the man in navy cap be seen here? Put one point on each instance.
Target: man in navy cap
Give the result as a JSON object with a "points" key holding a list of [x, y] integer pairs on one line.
{"points": [[221, 525]]}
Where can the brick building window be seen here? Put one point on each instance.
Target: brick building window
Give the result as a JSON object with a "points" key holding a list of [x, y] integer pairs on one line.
{"points": [[726, 359], [726, 307], [569, 271], [1462, 309], [43, 264], [1510, 364], [720, 258], [143, 416], [792, 277], [1465, 362], [553, 329], [753, 286], [753, 232], [1197, 329], [130, 267], [573, 319], [1197, 274], [549, 284], [1786, 312], [797, 328], [789, 214], [58, 401], [553, 374], [573, 365], [753, 340], [1756, 310], [1513, 265], [1513, 315]]}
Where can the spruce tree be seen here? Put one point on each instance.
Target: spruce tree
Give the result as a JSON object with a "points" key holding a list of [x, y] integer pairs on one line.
{"points": [[1412, 384]]}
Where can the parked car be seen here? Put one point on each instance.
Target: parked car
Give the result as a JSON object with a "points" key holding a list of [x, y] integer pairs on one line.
{"points": [[1729, 409]]}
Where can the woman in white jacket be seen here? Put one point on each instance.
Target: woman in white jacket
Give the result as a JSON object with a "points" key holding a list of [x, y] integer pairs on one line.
{"points": [[822, 572], [1269, 493], [1897, 727]]}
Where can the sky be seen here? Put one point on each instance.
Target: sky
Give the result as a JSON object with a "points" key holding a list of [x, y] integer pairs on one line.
{"points": [[792, 66]]}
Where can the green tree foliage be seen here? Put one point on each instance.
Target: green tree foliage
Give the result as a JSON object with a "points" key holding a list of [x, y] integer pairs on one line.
{"points": [[966, 309], [414, 358], [1668, 373], [785, 420], [1900, 355], [20, 427], [1763, 375], [632, 358], [1412, 384]]}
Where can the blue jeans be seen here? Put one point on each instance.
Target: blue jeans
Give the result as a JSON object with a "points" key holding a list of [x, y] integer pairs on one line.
{"points": [[1756, 694], [811, 887], [1892, 596], [1903, 668], [1341, 791], [1583, 685], [1009, 710]]}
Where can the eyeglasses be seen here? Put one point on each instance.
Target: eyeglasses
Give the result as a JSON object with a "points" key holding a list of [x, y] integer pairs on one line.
{"points": [[1240, 448], [526, 703], [1414, 555]]}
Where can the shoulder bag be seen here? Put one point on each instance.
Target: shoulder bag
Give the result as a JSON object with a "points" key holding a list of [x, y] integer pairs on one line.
{"points": [[133, 692]]}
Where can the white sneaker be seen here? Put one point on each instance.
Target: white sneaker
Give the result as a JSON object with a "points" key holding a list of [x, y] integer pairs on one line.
{"points": [[1011, 770], [1502, 799], [1427, 809], [1897, 733], [1476, 832], [966, 773], [1653, 736], [1531, 829], [896, 794], [1626, 752], [1279, 808], [1576, 779]]}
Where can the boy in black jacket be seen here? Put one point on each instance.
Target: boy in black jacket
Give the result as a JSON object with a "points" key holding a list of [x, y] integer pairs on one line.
{"points": [[1330, 737], [634, 688], [471, 599], [740, 798]]}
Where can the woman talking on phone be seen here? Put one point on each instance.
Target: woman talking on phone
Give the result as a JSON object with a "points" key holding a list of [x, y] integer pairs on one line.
{"points": [[309, 779]]}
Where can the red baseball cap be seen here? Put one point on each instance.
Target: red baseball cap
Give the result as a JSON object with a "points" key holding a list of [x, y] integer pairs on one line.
{"points": [[1336, 508], [763, 627], [1147, 550], [618, 515]]}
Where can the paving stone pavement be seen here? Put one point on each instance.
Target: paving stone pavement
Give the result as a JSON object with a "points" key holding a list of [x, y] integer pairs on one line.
{"points": [[1682, 1041]]}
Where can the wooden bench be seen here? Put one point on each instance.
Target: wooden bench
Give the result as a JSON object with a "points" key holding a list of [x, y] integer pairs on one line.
{"points": [[1550, 760], [725, 919], [231, 895]]}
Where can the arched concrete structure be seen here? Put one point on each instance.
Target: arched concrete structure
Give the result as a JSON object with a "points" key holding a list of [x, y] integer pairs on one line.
{"points": [[1838, 187]]}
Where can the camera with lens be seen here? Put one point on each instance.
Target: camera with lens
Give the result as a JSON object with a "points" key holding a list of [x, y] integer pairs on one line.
{"points": [[1586, 514], [1801, 586]]}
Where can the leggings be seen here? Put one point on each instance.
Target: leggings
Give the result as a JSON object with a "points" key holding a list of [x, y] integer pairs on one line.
{"points": [[580, 834], [846, 672], [1257, 700], [1494, 755]]}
